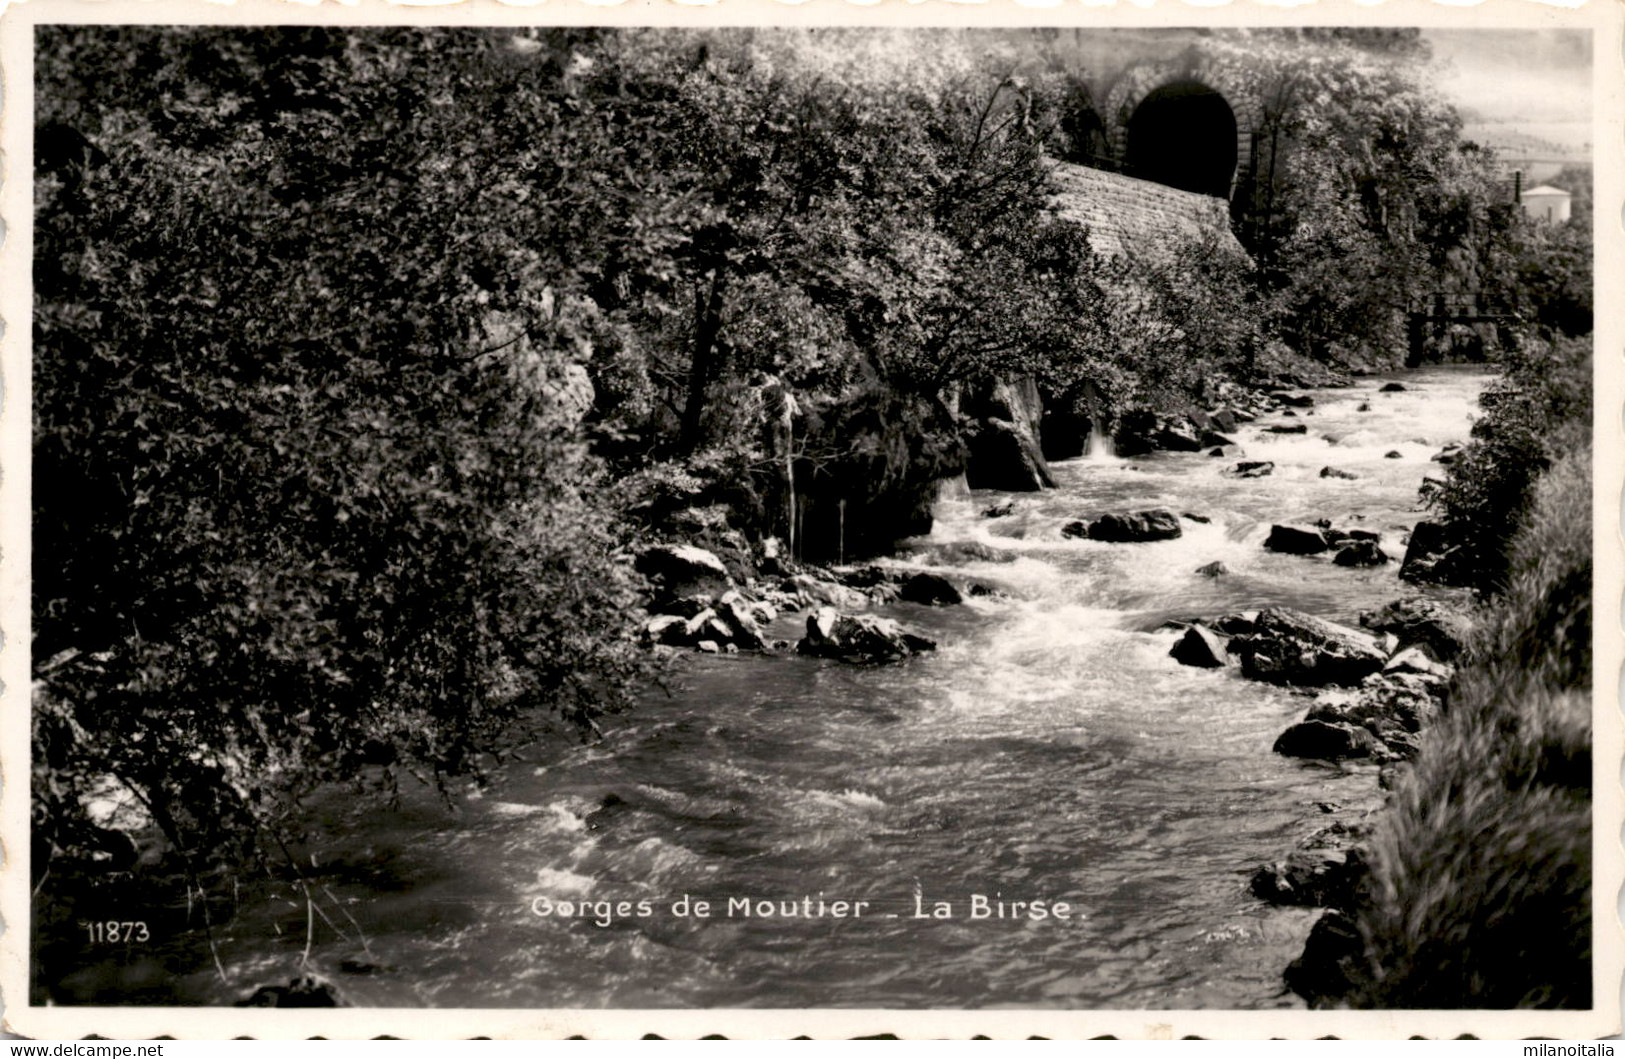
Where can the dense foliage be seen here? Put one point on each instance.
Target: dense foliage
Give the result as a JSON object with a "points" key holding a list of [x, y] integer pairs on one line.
{"points": [[308, 490], [1365, 200], [1536, 413]]}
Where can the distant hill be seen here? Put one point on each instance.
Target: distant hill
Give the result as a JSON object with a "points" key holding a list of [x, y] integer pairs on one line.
{"points": [[1519, 140]]}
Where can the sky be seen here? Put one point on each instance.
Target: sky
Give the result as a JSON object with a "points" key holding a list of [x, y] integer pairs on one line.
{"points": [[1536, 82]]}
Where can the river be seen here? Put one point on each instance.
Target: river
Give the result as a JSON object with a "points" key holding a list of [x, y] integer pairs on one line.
{"points": [[1049, 750]]}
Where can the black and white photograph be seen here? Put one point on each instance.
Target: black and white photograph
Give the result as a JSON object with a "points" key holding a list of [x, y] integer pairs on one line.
{"points": [[1060, 519]]}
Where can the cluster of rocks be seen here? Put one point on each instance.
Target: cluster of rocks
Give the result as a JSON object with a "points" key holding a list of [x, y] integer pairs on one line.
{"points": [[1404, 651], [1141, 432], [694, 603], [859, 638], [1350, 547], [1127, 527], [1387, 679]]}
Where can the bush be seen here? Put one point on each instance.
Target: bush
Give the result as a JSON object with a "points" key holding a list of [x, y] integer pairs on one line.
{"points": [[1536, 413]]}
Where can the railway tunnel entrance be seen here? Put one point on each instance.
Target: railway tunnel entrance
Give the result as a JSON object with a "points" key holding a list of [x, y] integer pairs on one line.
{"points": [[1184, 135]]}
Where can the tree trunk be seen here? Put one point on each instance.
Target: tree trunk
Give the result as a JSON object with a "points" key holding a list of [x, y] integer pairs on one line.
{"points": [[704, 367]]}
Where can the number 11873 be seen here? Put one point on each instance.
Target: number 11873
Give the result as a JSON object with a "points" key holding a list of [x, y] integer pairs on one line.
{"points": [[115, 931]]}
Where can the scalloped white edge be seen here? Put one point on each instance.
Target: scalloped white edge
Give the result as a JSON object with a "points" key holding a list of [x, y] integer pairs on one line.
{"points": [[1605, 17]]}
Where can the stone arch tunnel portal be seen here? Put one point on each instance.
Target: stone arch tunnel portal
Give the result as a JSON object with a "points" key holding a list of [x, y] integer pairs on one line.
{"points": [[1184, 135]]}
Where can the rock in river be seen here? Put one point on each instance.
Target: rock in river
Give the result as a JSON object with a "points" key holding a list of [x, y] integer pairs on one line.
{"points": [[1295, 540], [933, 590], [1322, 739], [1361, 553], [1443, 629], [1324, 878], [1200, 647], [1132, 527], [1289, 647], [859, 638], [1254, 469], [1213, 569]]}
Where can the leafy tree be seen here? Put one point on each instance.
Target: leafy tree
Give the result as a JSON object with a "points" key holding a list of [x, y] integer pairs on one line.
{"points": [[309, 493], [1365, 194]]}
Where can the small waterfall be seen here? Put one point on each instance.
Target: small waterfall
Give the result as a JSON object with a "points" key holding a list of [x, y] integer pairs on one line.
{"points": [[1099, 448]]}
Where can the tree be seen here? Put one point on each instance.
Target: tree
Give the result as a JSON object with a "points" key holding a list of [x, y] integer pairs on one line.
{"points": [[309, 489]]}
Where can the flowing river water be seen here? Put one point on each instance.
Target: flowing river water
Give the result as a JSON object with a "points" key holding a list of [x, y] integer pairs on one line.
{"points": [[1049, 750]]}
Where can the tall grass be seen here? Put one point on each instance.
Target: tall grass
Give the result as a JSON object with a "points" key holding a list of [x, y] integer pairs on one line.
{"points": [[1479, 894]]}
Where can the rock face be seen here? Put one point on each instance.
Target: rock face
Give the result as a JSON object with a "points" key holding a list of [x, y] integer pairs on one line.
{"points": [[933, 590], [1329, 741], [1432, 556], [1361, 553], [1200, 647], [682, 570], [1005, 452], [1443, 629], [861, 639], [1289, 647], [1296, 540], [1129, 528]]}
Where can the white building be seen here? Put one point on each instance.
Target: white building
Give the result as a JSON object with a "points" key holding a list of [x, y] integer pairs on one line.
{"points": [[1547, 203]]}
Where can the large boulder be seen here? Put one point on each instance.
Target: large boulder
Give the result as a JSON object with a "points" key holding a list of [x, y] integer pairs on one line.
{"points": [[1296, 540], [1322, 739], [1201, 648], [1005, 452], [682, 570], [1432, 557], [1133, 527], [1289, 647], [933, 590], [739, 617], [1443, 629], [1179, 437], [861, 638]]}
